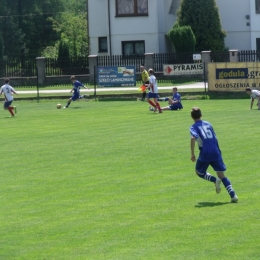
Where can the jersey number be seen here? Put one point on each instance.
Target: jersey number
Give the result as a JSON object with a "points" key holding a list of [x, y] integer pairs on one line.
{"points": [[206, 132]]}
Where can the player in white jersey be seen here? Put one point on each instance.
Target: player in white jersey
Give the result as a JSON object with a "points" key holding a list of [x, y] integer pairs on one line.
{"points": [[153, 91], [8, 93], [254, 94]]}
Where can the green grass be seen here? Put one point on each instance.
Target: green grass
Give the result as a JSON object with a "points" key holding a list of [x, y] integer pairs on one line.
{"points": [[111, 180]]}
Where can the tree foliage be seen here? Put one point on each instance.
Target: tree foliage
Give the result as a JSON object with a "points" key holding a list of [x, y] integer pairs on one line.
{"points": [[183, 38], [73, 32], [204, 20], [27, 27]]}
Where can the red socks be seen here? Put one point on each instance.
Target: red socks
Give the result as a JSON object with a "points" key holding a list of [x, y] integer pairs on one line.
{"points": [[10, 109]]}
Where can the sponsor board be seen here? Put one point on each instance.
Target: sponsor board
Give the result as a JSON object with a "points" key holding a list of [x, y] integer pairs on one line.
{"points": [[182, 69], [233, 76], [116, 76]]}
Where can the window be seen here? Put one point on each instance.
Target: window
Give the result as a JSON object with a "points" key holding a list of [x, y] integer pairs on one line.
{"points": [[258, 44], [257, 6], [102, 44], [133, 48], [131, 7]]}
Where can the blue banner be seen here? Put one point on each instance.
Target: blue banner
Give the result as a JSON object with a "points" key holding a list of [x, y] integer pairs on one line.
{"points": [[116, 76]]}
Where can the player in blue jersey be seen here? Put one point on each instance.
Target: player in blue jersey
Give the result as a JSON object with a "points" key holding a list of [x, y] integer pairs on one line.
{"points": [[174, 102], [210, 154], [76, 90]]}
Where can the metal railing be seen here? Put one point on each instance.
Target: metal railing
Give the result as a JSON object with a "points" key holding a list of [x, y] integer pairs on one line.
{"points": [[249, 56]]}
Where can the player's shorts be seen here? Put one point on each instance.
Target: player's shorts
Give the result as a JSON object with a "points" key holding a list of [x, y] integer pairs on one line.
{"points": [[152, 95], [175, 106], [7, 103], [75, 97], [202, 167]]}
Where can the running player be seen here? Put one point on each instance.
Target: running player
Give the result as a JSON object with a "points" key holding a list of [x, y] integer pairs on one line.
{"points": [[76, 90], [8, 93], [210, 154]]}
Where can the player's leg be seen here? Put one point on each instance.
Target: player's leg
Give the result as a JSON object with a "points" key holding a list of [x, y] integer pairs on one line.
{"points": [[220, 168], [68, 103], [143, 96], [166, 108], [7, 106], [150, 101], [157, 105], [201, 171]]}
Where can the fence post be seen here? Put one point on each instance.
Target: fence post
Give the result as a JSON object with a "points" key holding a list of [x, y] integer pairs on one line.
{"points": [[41, 67], [233, 55], [205, 57], [148, 61], [93, 63]]}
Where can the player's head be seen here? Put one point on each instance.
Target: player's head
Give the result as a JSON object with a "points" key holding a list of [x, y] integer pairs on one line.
{"points": [[151, 71], [174, 89], [196, 113], [248, 90], [6, 80], [72, 78], [142, 67]]}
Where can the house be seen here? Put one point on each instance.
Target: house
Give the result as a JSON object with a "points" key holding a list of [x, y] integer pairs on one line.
{"points": [[135, 27]]}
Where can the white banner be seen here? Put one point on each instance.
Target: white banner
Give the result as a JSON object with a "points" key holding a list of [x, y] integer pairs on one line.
{"points": [[182, 69]]}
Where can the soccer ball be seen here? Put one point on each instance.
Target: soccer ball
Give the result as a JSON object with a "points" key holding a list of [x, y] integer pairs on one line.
{"points": [[58, 106]]}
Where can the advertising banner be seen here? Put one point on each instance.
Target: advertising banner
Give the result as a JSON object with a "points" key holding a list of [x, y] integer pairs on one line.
{"points": [[233, 76], [116, 76], [182, 69]]}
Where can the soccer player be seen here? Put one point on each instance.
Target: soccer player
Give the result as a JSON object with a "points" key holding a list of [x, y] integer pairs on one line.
{"points": [[76, 90], [8, 90], [210, 154], [145, 80], [254, 94], [174, 102], [153, 91]]}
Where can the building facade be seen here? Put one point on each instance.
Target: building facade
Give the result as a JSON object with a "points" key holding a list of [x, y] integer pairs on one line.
{"points": [[135, 27]]}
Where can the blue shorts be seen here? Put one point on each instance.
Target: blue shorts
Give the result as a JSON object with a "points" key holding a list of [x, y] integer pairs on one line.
{"points": [[176, 106], [75, 97], [202, 167], [152, 95], [7, 103]]}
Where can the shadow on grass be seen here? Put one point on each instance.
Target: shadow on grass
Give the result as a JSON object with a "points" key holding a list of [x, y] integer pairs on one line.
{"points": [[210, 204]]}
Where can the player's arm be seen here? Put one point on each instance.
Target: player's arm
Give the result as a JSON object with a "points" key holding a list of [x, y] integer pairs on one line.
{"points": [[192, 148], [13, 91], [85, 87], [252, 102], [258, 100]]}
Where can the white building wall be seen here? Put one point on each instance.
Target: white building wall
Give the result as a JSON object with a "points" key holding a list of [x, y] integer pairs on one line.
{"points": [[149, 28], [255, 25], [97, 23], [233, 18], [161, 17]]}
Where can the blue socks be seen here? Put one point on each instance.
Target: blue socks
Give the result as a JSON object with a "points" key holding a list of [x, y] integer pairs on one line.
{"points": [[228, 187]]}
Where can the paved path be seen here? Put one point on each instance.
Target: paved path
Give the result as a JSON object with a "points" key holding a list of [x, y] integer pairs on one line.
{"points": [[51, 91]]}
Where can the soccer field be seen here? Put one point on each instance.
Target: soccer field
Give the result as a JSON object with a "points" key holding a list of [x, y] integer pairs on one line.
{"points": [[112, 180]]}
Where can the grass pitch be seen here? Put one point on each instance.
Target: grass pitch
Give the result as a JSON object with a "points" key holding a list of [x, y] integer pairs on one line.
{"points": [[111, 180]]}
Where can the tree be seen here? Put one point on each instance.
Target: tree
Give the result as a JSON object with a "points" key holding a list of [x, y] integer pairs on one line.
{"points": [[204, 20], [73, 32], [183, 38]]}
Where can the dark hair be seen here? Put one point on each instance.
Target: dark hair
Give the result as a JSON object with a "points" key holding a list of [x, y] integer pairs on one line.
{"points": [[6, 80], [248, 89], [72, 78], [196, 113]]}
